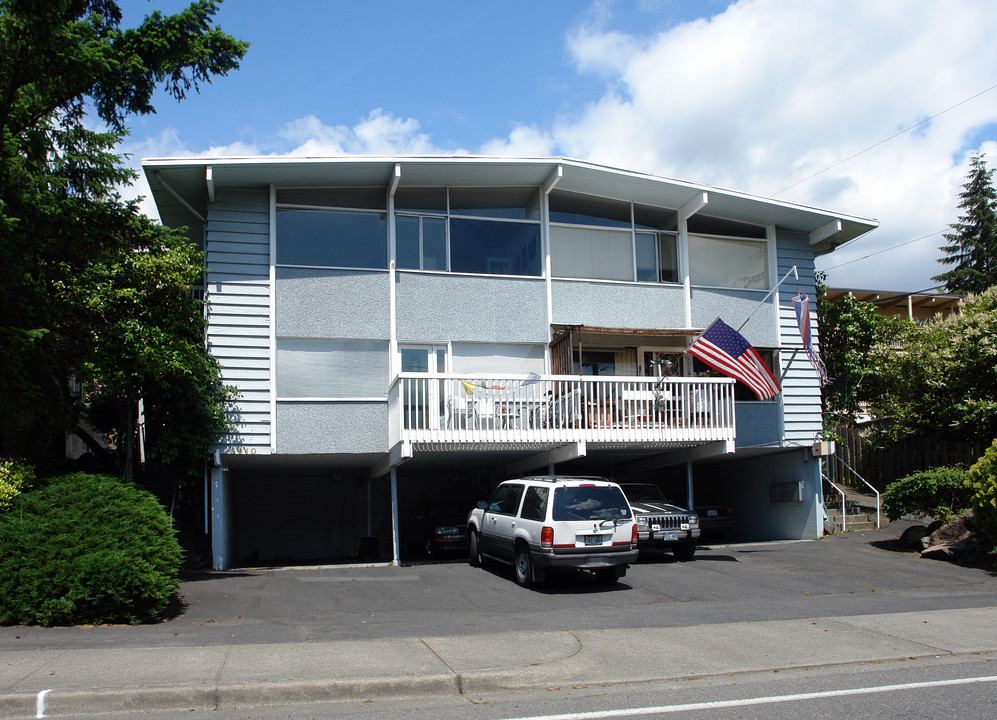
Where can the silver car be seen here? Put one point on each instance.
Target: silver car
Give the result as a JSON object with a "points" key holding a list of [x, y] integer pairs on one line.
{"points": [[660, 523]]}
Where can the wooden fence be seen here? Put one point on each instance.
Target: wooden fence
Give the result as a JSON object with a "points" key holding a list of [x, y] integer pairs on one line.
{"points": [[881, 466]]}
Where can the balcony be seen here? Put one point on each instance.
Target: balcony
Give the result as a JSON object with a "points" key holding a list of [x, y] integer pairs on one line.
{"points": [[458, 412]]}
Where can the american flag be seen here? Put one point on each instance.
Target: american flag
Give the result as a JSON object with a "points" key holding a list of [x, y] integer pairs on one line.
{"points": [[723, 348]]}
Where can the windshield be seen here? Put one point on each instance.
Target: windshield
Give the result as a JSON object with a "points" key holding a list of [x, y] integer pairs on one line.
{"points": [[644, 494], [589, 503]]}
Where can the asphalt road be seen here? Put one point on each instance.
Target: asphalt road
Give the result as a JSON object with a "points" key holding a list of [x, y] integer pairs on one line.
{"points": [[428, 619], [851, 574]]}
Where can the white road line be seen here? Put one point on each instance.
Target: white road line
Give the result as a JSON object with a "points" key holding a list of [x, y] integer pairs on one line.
{"points": [[40, 703], [757, 701]]}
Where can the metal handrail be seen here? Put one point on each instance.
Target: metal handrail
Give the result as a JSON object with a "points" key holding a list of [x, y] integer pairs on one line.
{"points": [[855, 473], [844, 517]]}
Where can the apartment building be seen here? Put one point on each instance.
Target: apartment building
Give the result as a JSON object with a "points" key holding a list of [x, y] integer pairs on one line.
{"points": [[406, 332]]}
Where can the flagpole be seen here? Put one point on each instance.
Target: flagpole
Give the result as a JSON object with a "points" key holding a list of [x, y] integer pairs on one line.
{"points": [[762, 301]]}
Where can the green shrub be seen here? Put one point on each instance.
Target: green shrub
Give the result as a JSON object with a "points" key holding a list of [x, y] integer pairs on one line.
{"points": [[940, 492], [14, 479], [983, 484], [87, 549]]}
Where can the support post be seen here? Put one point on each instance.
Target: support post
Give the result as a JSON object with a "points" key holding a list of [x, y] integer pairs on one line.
{"points": [[689, 496], [221, 522], [395, 555]]}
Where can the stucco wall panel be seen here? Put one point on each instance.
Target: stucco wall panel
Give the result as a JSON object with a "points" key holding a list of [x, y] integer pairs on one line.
{"points": [[316, 303], [618, 305], [461, 308], [315, 428]]}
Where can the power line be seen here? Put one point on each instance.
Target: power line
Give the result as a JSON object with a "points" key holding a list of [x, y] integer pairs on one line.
{"points": [[881, 142], [894, 247]]}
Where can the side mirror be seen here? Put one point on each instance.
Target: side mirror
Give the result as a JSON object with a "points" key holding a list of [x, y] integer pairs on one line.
{"points": [[482, 504]]}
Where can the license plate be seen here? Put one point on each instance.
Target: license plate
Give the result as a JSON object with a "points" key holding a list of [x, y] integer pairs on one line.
{"points": [[669, 537], [655, 528], [711, 513], [593, 539]]}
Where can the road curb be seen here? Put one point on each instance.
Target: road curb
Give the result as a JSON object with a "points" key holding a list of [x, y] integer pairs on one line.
{"points": [[55, 702]]}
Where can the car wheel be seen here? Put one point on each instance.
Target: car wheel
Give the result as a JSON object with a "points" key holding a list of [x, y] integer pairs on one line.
{"points": [[685, 551], [474, 557], [524, 566]]}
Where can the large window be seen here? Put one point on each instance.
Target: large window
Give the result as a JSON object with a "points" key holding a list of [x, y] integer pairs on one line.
{"points": [[332, 238], [421, 242], [588, 252], [494, 231], [330, 369], [728, 262], [606, 239], [494, 248]]}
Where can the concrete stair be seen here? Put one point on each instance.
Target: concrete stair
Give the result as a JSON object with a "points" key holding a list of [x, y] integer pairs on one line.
{"points": [[860, 511]]}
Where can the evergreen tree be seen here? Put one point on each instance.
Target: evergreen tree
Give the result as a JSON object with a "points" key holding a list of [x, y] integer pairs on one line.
{"points": [[972, 248], [89, 288]]}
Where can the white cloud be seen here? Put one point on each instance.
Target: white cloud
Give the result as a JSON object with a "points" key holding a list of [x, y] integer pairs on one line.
{"points": [[760, 97], [524, 141], [770, 92], [380, 133]]}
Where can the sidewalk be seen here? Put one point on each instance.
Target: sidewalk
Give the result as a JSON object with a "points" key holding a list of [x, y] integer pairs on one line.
{"points": [[39, 682]]}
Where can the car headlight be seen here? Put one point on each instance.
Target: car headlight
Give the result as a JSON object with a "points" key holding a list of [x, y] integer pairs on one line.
{"points": [[694, 521], [642, 521]]}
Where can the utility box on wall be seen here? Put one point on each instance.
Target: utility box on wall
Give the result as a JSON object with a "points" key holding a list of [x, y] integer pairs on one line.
{"points": [[824, 448], [786, 492]]}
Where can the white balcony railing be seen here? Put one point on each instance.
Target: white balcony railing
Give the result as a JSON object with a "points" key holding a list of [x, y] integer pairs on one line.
{"points": [[559, 408]]}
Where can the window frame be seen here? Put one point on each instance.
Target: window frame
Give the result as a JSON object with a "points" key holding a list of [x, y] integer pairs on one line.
{"points": [[345, 346], [763, 243], [448, 216], [333, 209]]}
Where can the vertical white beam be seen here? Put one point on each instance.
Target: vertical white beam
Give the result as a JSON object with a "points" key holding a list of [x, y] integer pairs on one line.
{"points": [[394, 364], [209, 180], [395, 555], [272, 318], [552, 180], [684, 213]]}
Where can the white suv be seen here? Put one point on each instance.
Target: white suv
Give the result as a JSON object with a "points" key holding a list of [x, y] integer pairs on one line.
{"points": [[555, 521]]}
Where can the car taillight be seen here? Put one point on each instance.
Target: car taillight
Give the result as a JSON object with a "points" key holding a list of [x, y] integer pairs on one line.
{"points": [[546, 537], [633, 534]]}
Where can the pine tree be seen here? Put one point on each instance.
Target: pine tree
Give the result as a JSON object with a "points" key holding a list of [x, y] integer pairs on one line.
{"points": [[972, 248]]}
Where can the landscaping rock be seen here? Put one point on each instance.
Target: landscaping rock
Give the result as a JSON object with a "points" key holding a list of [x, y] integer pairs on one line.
{"points": [[949, 542], [910, 539]]}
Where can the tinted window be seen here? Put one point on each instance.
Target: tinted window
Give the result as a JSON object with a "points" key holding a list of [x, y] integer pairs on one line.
{"points": [[496, 248], [590, 503], [588, 210], [535, 503], [505, 499], [513, 203], [332, 238]]}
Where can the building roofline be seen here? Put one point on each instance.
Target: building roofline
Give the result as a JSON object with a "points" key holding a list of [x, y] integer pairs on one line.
{"points": [[182, 179]]}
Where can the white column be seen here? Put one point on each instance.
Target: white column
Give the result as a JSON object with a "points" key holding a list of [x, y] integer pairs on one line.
{"points": [[396, 559]]}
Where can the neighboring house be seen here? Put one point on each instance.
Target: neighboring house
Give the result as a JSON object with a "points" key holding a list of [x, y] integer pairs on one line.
{"points": [[409, 329], [919, 306]]}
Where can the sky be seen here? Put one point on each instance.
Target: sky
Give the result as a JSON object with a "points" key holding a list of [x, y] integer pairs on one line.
{"points": [[869, 109]]}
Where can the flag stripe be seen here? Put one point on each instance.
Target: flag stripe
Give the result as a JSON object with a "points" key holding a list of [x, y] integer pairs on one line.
{"points": [[725, 350]]}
